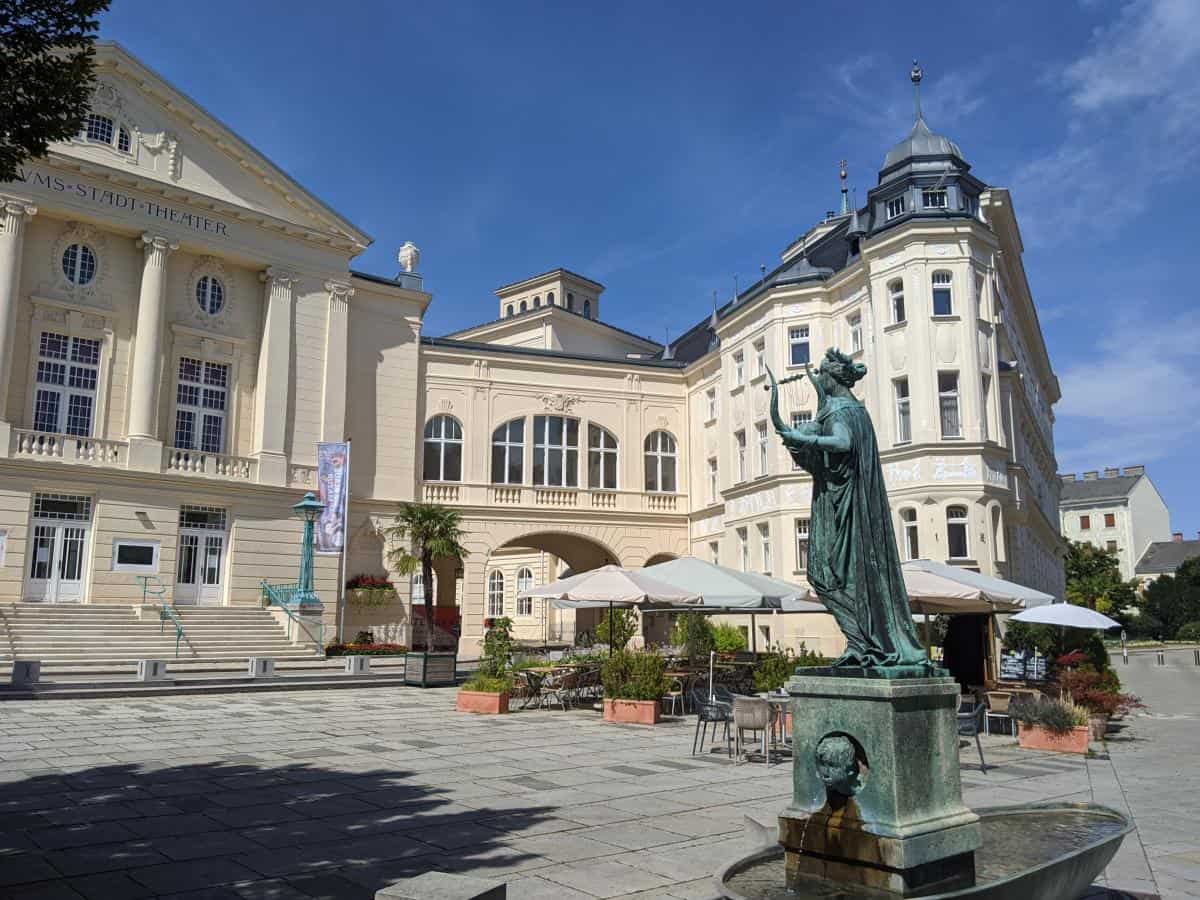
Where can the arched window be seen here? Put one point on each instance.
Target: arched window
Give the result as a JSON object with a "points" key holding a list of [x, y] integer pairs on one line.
{"points": [[124, 144], [660, 462], [537, 302], [508, 311], [587, 309], [896, 295], [550, 298], [210, 294], [524, 307], [943, 300], [570, 301], [79, 264], [508, 453], [443, 449], [912, 544], [99, 128], [602, 458], [524, 583], [555, 451], [417, 590], [496, 594], [956, 532]]}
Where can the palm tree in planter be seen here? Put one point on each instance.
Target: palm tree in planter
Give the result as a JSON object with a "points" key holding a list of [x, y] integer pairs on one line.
{"points": [[422, 533]]}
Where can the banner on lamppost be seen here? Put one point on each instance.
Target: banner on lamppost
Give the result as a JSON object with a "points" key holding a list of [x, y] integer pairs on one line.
{"points": [[333, 487]]}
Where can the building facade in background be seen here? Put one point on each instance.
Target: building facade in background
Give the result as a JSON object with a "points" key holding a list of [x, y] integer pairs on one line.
{"points": [[181, 324], [1119, 510]]}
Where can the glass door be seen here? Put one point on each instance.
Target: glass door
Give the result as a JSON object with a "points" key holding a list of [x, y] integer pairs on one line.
{"points": [[200, 565], [58, 548]]}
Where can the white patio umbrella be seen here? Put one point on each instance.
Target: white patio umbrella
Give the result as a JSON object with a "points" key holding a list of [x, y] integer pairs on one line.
{"points": [[935, 587], [722, 588], [1066, 615]]}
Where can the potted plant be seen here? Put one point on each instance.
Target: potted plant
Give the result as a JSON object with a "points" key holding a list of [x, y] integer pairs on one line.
{"points": [[1048, 724], [728, 640], [634, 684], [488, 690], [370, 590], [694, 633], [1099, 693]]}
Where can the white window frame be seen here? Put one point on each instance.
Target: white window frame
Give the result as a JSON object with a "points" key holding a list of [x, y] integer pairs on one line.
{"points": [[956, 521], [714, 483], [798, 337], [760, 358], [743, 537], [567, 452], [764, 448], [524, 583], [512, 450], [945, 397], [714, 552], [607, 457], [896, 301], [739, 450], [84, 372], [199, 410], [739, 369], [941, 281], [661, 455], [985, 388], [82, 251], [711, 397], [150, 569], [856, 335], [120, 136], [800, 418], [912, 533], [896, 207], [209, 288], [903, 398], [803, 527], [495, 594], [764, 539], [934, 199]]}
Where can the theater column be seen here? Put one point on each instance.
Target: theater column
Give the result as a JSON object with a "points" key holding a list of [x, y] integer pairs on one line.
{"points": [[273, 385], [333, 394], [145, 443], [13, 214]]}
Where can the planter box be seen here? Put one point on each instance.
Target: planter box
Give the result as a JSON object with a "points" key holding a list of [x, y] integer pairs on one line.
{"points": [[482, 702], [632, 712], [1033, 737], [1098, 726], [371, 596], [430, 669]]}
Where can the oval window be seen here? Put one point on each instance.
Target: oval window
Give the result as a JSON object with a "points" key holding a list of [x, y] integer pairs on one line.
{"points": [[210, 295], [79, 264]]}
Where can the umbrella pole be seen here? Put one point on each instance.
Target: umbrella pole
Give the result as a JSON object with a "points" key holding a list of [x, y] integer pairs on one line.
{"points": [[610, 628], [928, 645], [753, 635], [712, 655]]}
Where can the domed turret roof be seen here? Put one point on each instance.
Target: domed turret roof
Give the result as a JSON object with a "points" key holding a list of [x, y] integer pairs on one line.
{"points": [[921, 142]]}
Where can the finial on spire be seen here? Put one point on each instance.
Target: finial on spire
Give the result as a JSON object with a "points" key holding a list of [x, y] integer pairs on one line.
{"points": [[845, 196], [916, 75]]}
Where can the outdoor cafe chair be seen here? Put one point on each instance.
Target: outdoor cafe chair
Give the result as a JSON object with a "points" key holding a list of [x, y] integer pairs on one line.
{"points": [[969, 724], [674, 697], [553, 690], [755, 715], [998, 707], [710, 713]]}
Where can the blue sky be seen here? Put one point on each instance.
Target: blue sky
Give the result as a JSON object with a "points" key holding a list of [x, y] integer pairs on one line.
{"points": [[664, 148]]}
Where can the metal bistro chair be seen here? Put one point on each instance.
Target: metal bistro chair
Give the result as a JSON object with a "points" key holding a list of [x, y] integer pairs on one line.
{"points": [[969, 724], [554, 690], [710, 712], [673, 698], [756, 715], [998, 703]]}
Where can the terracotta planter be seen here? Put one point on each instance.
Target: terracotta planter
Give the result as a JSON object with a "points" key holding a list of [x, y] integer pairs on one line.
{"points": [[632, 712], [485, 702], [1098, 726], [1033, 737]]}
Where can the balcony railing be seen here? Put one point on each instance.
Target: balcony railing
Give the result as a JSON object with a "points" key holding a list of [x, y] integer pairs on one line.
{"points": [[544, 497], [217, 465], [29, 444]]}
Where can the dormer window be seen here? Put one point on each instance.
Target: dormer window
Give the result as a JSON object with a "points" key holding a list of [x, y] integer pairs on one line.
{"points": [[895, 207], [933, 199], [100, 129]]}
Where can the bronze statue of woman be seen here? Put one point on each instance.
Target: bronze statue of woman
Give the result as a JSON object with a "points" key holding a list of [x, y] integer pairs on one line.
{"points": [[853, 564]]}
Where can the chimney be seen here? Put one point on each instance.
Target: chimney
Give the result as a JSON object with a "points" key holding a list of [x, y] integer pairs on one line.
{"points": [[1135, 470], [1068, 478], [1177, 537], [1090, 476], [1111, 473]]}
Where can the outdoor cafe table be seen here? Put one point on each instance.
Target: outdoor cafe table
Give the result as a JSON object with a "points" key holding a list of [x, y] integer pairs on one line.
{"points": [[782, 704]]}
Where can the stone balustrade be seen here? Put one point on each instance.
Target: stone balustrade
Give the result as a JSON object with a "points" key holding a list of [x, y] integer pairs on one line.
{"points": [[542, 497], [217, 465], [42, 445]]}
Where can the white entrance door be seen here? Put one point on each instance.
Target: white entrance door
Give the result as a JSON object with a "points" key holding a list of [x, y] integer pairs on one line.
{"points": [[56, 563], [201, 561]]}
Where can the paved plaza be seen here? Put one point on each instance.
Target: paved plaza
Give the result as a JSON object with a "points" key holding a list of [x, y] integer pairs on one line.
{"points": [[334, 794]]}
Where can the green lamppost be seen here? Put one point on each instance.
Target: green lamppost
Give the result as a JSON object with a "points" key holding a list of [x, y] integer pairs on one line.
{"points": [[309, 509]]}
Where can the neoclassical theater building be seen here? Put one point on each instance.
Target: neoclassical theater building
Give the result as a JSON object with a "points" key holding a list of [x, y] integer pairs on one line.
{"points": [[181, 323]]}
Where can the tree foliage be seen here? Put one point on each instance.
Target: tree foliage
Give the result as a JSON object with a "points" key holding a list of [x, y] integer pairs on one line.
{"points": [[46, 74], [617, 628], [1170, 602], [422, 533], [1094, 579]]}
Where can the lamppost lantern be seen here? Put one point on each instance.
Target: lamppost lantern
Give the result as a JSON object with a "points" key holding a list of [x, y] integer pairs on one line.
{"points": [[309, 509]]}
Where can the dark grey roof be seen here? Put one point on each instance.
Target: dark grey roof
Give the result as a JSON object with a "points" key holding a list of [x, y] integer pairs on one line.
{"points": [[552, 272], [380, 279], [921, 142], [1166, 556], [1115, 487], [510, 349]]}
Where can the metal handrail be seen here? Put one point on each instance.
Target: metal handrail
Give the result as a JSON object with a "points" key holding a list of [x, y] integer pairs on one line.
{"points": [[165, 610], [283, 596]]}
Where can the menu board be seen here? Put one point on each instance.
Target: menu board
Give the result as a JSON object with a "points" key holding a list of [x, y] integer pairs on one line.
{"points": [[1022, 667]]}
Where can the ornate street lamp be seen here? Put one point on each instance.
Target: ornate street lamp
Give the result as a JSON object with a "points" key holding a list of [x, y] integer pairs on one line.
{"points": [[309, 509]]}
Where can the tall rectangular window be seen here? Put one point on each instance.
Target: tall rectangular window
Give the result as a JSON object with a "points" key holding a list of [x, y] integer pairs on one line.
{"points": [[760, 358], [943, 299], [201, 400], [1110, 520], [986, 390], [895, 207], [956, 532], [714, 552], [856, 336], [1110, 546], [602, 458], [764, 448], [744, 549], [713, 485], [764, 539], [555, 451], [508, 453], [739, 449], [798, 419], [896, 296], [739, 369], [67, 371], [903, 411], [802, 526], [912, 537], [711, 400], [1085, 523], [798, 353], [948, 404]]}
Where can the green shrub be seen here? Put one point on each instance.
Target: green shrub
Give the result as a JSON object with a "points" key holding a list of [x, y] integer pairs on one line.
{"points": [[1021, 636], [488, 684], [1056, 716], [774, 669], [364, 637], [527, 661], [634, 676], [365, 650], [694, 633], [617, 628], [497, 649], [1188, 632], [728, 638]]}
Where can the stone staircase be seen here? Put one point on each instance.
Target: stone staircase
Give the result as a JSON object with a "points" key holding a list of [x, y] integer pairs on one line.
{"points": [[91, 640]]}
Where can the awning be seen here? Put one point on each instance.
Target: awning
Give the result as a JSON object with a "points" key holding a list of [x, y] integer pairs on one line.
{"points": [[612, 586], [935, 587], [724, 589]]}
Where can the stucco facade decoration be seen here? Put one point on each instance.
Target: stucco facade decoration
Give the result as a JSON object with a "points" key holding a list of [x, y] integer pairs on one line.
{"points": [[1115, 509], [180, 324]]}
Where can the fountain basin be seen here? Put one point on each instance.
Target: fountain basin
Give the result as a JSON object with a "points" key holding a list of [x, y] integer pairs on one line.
{"points": [[1043, 851]]}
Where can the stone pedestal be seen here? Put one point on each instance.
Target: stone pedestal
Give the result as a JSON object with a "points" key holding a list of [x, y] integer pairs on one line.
{"points": [[877, 799]]}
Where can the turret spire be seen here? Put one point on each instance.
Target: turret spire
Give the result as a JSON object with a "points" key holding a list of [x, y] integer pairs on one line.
{"points": [[845, 195], [916, 75]]}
